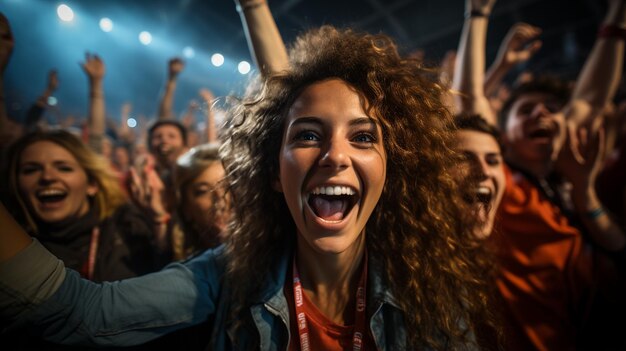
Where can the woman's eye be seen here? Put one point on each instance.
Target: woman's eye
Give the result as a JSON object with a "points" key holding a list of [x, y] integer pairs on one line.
{"points": [[28, 170], [493, 160], [364, 138], [65, 169], [306, 135]]}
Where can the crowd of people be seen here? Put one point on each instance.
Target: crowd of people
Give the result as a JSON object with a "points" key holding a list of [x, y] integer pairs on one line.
{"points": [[351, 199]]}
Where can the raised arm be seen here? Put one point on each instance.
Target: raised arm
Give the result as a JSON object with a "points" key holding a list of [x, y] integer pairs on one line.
{"points": [[166, 107], [598, 81], [469, 76], [580, 162], [264, 40], [518, 46], [211, 129], [6, 49], [96, 120], [35, 112]]}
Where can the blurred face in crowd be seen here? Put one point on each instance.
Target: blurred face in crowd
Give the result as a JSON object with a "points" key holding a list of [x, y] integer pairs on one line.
{"points": [[332, 167], [482, 163], [52, 183], [167, 144], [121, 157], [206, 205], [534, 130]]}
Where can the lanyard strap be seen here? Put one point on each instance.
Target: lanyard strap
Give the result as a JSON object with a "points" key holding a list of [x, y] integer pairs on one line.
{"points": [[359, 318], [93, 251]]}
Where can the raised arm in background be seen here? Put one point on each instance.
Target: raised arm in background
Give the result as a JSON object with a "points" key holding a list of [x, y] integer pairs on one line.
{"points": [[469, 76], [96, 120], [6, 48], [264, 40], [124, 131], [166, 107], [518, 46], [211, 128], [35, 112], [581, 161], [582, 156], [598, 81]]}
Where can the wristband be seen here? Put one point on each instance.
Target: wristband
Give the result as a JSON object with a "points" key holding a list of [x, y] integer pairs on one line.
{"points": [[612, 31], [593, 214], [249, 6], [476, 13]]}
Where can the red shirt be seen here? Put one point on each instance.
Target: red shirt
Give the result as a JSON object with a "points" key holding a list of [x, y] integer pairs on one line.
{"points": [[545, 275], [324, 334]]}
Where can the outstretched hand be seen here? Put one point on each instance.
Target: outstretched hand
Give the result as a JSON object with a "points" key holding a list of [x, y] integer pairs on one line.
{"points": [[582, 156], [93, 66], [175, 66], [6, 42], [520, 44], [146, 188]]}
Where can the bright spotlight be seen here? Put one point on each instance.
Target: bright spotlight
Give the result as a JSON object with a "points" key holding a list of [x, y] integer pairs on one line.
{"points": [[65, 13], [52, 101], [131, 122], [217, 60], [106, 24], [243, 67], [188, 52], [145, 37]]}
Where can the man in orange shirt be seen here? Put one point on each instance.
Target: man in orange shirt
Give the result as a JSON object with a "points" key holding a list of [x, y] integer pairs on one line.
{"points": [[548, 245]]}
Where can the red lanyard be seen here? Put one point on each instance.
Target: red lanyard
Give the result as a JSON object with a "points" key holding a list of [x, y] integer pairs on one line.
{"points": [[93, 251], [359, 319]]}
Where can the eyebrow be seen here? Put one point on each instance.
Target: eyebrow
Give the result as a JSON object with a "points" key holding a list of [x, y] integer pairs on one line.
{"points": [[353, 122], [55, 162]]}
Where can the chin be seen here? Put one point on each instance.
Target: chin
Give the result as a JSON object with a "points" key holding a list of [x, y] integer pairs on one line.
{"points": [[333, 245]]}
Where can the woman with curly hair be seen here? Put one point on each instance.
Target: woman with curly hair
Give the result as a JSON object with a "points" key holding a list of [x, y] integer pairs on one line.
{"points": [[348, 231]]}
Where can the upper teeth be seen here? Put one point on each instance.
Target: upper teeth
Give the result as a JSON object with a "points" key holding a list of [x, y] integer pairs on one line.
{"points": [[333, 190], [50, 192], [483, 190]]}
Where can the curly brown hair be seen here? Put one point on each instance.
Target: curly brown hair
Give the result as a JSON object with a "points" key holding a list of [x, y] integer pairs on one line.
{"points": [[418, 230]]}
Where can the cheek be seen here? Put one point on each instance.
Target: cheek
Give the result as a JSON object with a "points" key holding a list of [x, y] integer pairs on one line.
{"points": [[293, 165]]}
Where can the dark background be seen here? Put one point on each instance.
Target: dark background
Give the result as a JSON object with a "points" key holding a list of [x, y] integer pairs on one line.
{"points": [[136, 73]]}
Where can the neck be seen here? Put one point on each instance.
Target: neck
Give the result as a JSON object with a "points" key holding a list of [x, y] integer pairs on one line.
{"points": [[330, 280]]}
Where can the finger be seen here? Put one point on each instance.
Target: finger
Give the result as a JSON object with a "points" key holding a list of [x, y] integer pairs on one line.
{"points": [[573, 144]]}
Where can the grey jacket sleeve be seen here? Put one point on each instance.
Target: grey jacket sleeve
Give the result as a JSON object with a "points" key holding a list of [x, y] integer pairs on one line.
{"points": [[28, 279]]}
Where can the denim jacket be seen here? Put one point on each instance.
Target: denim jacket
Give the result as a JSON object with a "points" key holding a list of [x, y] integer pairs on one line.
{"points": [[136, 310]]}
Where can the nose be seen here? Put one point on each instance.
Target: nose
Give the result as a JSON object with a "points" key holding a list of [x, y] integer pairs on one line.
{"points": [[540, 110], [334, 154], [480, 169], [47, 175]]}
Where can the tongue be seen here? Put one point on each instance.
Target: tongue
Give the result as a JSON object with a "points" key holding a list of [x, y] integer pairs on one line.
{"points": [[329, 210]]}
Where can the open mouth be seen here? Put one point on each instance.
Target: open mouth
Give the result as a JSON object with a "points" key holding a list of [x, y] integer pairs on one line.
{"points": [[332, 203], [164, 150], [481, 195], [541, 133], [47, 196]]}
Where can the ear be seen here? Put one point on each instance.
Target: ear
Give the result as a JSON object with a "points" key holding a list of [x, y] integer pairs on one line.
{"points": [[92, 189]]}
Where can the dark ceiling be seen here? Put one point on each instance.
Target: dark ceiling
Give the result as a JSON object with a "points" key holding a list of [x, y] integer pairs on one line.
{"points": [[569, 28]]}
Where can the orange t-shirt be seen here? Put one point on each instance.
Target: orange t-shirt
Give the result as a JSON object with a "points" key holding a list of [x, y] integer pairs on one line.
{"points": [[545, 275], [323, 333]]}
